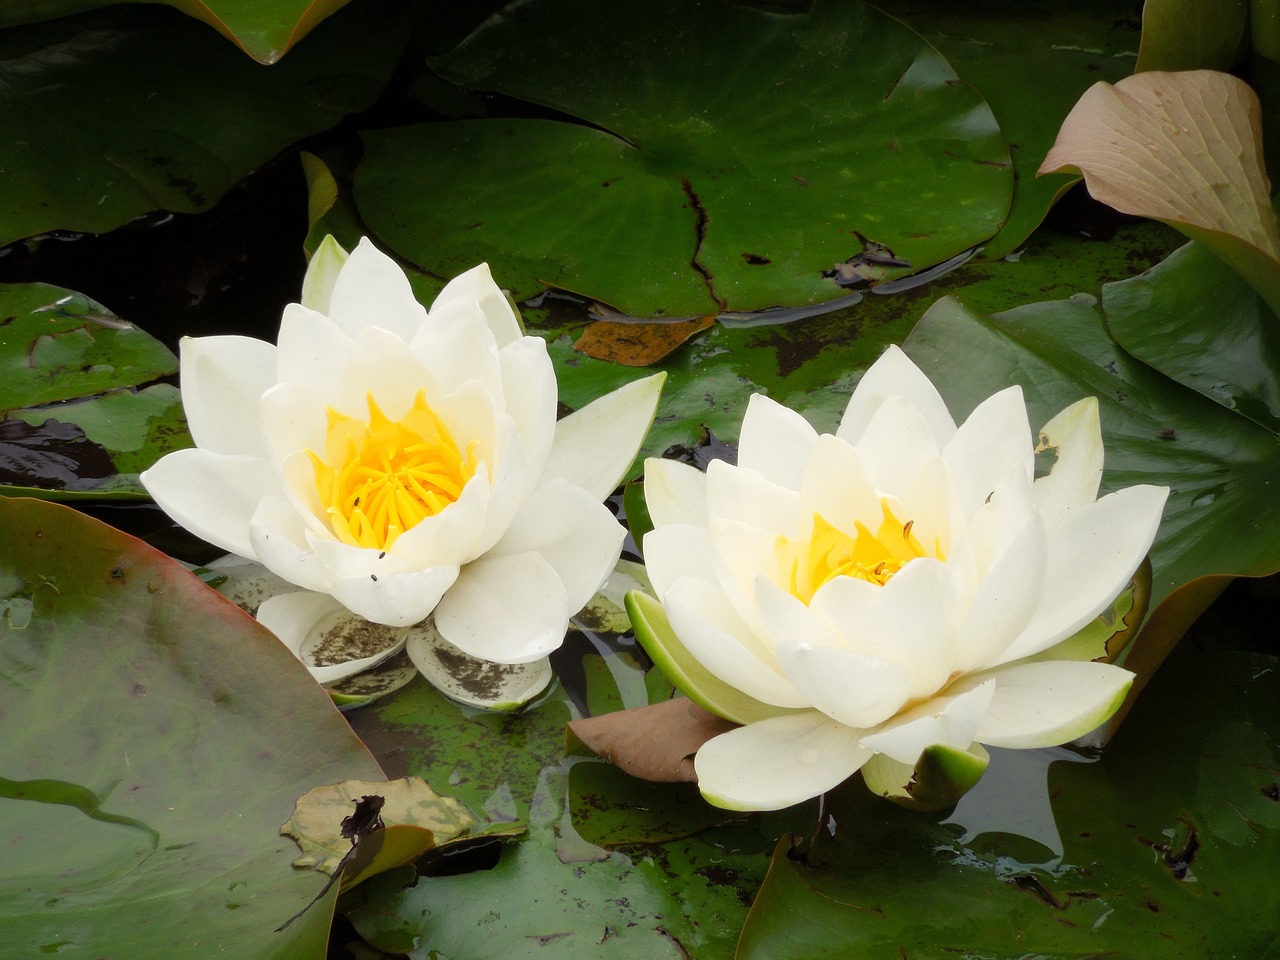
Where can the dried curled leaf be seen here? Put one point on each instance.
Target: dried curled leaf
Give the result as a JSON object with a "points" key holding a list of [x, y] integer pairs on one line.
{"points": [[1184, 148], [654, 743]]}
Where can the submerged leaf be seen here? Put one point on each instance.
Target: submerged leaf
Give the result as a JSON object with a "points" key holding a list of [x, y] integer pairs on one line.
{"points": [[638, 344]]}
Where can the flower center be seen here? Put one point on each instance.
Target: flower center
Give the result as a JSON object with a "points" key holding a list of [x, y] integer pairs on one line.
{"points": [[380, 477], [830, 552]]}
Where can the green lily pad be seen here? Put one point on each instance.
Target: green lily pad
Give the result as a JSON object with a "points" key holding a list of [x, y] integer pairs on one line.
{"points": [[1031, 62], [1188, 35], [727, 157], [1159, 842], [153, 833], [116, 112], [79, 418], [264, 29]]}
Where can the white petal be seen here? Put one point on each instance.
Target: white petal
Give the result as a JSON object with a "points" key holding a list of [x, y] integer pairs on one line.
{"points": [[211, 495], [894, 375], [1091, 557], [675, 492], [774, 763], [708, 626], [279, 539], [471, 413], [775, 441], [741, 494], [950, 721], [675, 551], [1049, 702], [577, 534], [596, 445], [312, 350], [999, 520], [397, 599], [315, 627], [474, 682], [378, 365], [371, 290], [293, 419], [992, 443], [457, 346], [223, 378], [1076, 432], [529, 385], [836, 486], [455, 535], [912, 620], [322, 273], [1005, 600], [510, 609], [854, 690], [897, 441], [345, 562], [478, 287], [740, 552], [506, 486]]}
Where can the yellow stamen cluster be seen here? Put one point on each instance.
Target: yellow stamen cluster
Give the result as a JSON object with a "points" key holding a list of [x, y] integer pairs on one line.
{"points": [[830, 552], [381, 477]]}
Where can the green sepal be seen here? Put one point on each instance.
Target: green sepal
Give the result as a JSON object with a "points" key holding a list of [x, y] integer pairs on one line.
{"points": [[941, 777]]}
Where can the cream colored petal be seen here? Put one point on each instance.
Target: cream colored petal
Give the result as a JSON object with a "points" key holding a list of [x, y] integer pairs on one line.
{"points": [[457, 346], [1006, 599], [1091, 557], [223, 379], [992, 443], [396, 599], [709, 627], [510, 609], [577, 534], [950, 720], [596, 445], [529, 385], [212, 496], [894, 375], [778, 762], [372, 291], [836, 486], [775, 442], [675, 492], [741, 495], [1048, 702], [1076, 435], [293, 419], [279, 539], [675, 551], [851, 689], [477, 286], [312, 349]]}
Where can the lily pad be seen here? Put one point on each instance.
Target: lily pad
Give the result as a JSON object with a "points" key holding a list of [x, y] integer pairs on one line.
{"points": [[264, 29], [724, 158], [1031, 62], [1158, 842], [157, 834], [79, 418], [113, 113]]}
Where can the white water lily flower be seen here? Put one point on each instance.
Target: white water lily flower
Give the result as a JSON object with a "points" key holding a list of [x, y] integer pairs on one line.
{"points": [[886, 589], [405, 463]]}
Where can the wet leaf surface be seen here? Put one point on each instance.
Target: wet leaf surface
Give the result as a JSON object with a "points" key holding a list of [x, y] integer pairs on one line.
{"points": [[690, 185], [157, 834]]}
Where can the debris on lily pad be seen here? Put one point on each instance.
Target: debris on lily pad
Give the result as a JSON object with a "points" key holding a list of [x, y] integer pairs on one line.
{"points": [[415, 819]]}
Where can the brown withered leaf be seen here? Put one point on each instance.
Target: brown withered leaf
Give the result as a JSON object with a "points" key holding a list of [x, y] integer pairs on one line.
{"points": [[654, 743], [638, 344]]}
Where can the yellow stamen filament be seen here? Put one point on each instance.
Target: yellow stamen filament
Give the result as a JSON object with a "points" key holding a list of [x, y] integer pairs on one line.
{"points": [[830, 552], [381, 477]]}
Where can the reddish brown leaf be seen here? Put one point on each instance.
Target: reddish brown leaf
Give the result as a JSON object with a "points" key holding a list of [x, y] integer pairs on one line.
{"points": [[653, 743], [638, 344]]}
